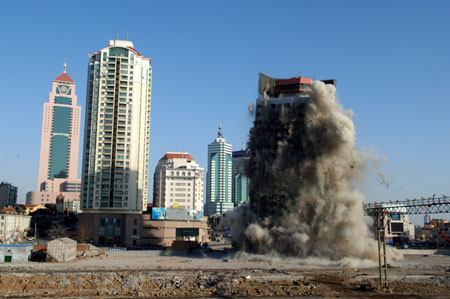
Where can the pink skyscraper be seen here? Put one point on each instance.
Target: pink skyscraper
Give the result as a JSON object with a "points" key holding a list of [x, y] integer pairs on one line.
{"points": [[59, 145]]}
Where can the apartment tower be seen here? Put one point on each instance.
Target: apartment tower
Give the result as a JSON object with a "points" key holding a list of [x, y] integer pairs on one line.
{"points": [[116, 139]]}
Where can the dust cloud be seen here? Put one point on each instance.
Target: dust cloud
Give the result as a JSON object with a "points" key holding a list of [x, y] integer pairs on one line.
{"points": [[303, 166]]}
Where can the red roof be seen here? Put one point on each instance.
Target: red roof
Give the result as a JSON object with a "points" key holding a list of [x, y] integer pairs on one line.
{"points": [[134, 50], [64, 78], [299, 80], [170, 156], [8, 210]]}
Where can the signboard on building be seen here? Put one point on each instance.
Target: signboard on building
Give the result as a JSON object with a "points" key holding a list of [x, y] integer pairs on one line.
{"points": [[158, 213], [187, 232]]}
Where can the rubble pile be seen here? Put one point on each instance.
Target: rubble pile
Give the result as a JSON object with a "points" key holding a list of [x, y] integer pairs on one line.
{"points": [[134, 283], [248, 283]]}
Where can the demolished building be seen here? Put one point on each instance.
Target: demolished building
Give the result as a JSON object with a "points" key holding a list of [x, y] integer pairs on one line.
{"points": [[302, 165], [280, 112]]}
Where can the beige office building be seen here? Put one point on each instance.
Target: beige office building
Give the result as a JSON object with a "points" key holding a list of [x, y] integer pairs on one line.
{"points": [[178, 182]]}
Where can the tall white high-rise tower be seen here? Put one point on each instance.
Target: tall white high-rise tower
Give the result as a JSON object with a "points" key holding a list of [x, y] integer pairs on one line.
{"points": [[219, 177], [117, 131]]}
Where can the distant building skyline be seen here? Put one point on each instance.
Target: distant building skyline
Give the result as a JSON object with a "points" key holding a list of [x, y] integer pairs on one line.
{"points": [[219, 177], [8, 195], [60, 139], [178, 182], [117, 130]]}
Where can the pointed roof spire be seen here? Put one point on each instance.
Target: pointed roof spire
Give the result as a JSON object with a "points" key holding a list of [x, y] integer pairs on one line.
{"points": [[220, 131], [64, 77]]}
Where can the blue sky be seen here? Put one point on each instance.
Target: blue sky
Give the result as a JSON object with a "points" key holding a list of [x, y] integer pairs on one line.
{"points": [[391, 60]]}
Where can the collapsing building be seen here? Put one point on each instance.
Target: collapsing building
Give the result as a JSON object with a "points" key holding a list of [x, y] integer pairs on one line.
{"points": [[302, 165], [278, 128]]}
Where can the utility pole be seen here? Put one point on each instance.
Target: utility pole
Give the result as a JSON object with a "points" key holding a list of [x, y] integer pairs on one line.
{"points": [[382, 250], [35, 232]]}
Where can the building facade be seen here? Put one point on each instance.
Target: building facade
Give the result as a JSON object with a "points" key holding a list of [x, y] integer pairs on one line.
{"points": [[116, 140], [140, 230], [10, 253], [178, 182], [240, 179], [398, 229], [60, 138], [53, 188], [219, 177], [8, 195], [13, 225], [433, 231], [117, 130]]}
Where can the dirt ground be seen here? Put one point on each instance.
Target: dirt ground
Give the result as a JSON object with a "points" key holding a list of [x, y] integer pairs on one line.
{"points": [[224, 273]]}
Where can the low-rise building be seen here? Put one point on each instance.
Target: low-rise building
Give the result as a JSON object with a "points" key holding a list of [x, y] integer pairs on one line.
{"points": [[162, 233], [15, 252], [51, 189], [428, 233], [398, 229], [28, 209], [13, 226], [62, 249], [72, 206], [143, 230]]}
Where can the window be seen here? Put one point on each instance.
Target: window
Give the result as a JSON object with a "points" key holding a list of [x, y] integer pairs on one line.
{"points": [[395, 216]]}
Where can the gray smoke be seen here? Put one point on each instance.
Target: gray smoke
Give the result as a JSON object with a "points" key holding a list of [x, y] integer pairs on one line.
{"points": [[303, 167], [251, 108]]}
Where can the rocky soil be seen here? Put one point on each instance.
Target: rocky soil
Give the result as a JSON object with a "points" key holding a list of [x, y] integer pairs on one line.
{"points": [[148, 274]]}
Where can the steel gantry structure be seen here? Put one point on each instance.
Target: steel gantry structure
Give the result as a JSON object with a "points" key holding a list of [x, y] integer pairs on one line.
{"points": [[431, 205]]}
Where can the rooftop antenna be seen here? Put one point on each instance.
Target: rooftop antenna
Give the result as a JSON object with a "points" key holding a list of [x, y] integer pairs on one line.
{"points": [[117, 35], [65, 65], [243, 148], [127, 35], [220, 130]]}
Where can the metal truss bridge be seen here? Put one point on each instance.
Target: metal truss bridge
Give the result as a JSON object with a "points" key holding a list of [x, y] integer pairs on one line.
{"points": [[432, 205], [380, 211]]}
